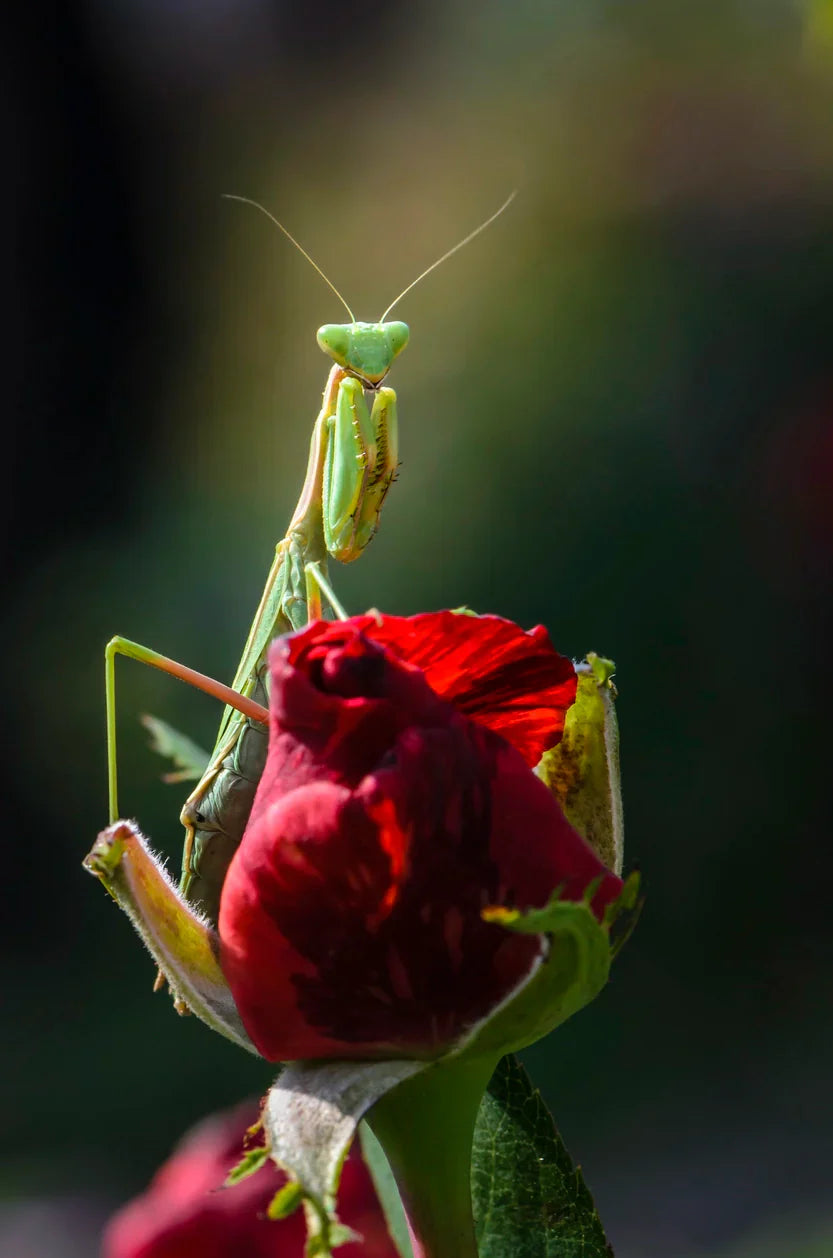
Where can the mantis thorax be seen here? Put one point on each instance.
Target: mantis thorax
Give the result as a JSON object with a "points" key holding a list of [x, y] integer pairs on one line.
{"points": [[366, 350]]}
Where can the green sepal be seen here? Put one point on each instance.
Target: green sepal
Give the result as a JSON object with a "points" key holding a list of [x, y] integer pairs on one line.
{"points": [[622, 915], [251, 1162], [318, 1247], [285, 1201], [181, 941], [570, 971], [310, 1116], [582, 771]]}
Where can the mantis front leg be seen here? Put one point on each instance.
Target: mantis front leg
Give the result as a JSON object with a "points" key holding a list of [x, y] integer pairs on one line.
{"points": [[362, 455]]}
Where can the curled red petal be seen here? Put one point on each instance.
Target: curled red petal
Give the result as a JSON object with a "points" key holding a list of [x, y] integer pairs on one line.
{"points": [[512, 681]]}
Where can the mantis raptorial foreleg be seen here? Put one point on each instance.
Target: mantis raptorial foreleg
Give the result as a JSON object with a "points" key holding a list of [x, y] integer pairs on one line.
{"points": [[359, 468]]}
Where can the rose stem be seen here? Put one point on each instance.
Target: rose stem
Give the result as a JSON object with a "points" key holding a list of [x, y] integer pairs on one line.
{"points": [[425, 1127]]}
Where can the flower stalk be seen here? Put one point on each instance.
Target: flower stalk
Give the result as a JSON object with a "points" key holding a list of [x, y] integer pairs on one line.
{"points": [[426, 1128]]}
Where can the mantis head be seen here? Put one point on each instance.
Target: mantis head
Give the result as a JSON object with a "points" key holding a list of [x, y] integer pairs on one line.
{"points": [[366, 350]]}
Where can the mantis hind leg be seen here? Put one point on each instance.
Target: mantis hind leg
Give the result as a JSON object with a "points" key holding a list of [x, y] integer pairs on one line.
{"points": [[144, 655]]}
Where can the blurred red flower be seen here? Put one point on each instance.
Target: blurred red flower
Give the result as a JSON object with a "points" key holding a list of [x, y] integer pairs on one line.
{"points": [[398, 800], [185, 1213]]}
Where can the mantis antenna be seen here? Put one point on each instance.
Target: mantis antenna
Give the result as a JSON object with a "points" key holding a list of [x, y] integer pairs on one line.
{"points": [[448, 254], [230, 196]]}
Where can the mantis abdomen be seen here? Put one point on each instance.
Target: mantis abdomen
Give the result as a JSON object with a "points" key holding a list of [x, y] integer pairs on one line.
{"points": [[215, 815]]}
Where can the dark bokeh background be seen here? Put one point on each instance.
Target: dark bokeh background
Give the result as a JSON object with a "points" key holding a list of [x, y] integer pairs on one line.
{"points": [[616, 418]]}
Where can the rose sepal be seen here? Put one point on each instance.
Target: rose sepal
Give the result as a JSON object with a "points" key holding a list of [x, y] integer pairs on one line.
{"points": [[582, 769], [310, 1116], [571, 971], [180, 940]]}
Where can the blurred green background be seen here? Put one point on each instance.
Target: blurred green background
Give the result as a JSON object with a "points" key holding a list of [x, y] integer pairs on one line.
{"points": [[617, 419]]}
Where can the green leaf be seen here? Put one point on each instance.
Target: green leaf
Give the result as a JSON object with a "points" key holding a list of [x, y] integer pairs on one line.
{"points": [[189, 759], [529, 1200]]}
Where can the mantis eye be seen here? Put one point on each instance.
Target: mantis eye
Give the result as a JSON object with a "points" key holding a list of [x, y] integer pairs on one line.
{"points": [[334, 340], [398, 334]]}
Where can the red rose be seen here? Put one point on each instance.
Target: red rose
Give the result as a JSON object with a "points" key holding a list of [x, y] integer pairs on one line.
{"points": [[398, 801], [185, 1213]]}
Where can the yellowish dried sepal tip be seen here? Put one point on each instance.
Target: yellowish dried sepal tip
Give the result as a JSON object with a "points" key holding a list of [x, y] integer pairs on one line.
{"points": [[583, 770]]}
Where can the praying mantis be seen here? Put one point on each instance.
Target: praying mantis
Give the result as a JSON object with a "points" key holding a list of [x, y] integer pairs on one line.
{"points": [[354, 454]]}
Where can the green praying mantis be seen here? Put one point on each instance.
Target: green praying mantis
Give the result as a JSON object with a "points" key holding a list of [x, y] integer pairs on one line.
{"points": [[352, 463]]}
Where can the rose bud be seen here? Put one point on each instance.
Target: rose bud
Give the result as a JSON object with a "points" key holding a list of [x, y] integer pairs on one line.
{"points": [[398, 803], [186, 1212]]}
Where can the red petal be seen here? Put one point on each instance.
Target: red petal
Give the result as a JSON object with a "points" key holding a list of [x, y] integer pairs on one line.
{"points": [[511, 681], [314, 871]]}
